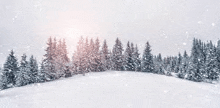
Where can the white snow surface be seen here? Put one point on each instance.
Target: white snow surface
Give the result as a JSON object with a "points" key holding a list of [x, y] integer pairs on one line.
{"points": [[114, 90]]}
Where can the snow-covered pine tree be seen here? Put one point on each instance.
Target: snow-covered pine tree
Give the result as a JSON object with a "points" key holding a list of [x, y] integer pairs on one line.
{"points": [[171, 66], [201, 59], [10, 69], [41, 75], [64, 52], [212, 70], [111, 66], [184, 65], [91, 55], [147, 64], [59, 60], [22, 77], [178, 63], [33, 70], [173, 63], [98, 63], [105, 57], [132, 47], [79, 57], [49, 61], [158, 64], [86, 51], [128, 61], [136, 59], [117, 57], [194, 64], [166, 61], [132, 52]]}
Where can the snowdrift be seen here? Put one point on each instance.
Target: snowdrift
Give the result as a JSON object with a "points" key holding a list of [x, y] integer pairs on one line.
{"points": [[114, 90]]}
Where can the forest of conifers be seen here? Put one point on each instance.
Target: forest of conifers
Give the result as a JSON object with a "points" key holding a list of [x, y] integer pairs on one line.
{"points": [[202, 65]]}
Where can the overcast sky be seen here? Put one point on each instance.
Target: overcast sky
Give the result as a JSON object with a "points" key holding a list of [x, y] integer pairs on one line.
{"points": [[169, 25]]}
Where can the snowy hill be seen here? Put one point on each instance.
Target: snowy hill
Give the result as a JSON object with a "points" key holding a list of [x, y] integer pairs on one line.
{"points": [[114, 90]]}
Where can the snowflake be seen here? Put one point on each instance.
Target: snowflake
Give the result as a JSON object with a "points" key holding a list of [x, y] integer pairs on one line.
{"points": [[199, 22], [213, 24]]}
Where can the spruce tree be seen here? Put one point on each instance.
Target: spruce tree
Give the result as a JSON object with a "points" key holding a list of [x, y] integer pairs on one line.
{"points": [[158, 64], [136, 59], [58, 62], [98, 63], [184, 65], [49, 61], [117, 57], [33, 70], [64, 52], [61, 59], [22, 77], [91, 55], [79, 57], [105, 57], [128, 61], [86, 56], [10, 70], [212, 70], [42, 76], [178, 63], [194, 72], [147, 64]]}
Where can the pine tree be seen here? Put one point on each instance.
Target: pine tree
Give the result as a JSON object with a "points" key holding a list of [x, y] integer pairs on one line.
{"points": [[184, 66], [158, 64], [79, 57], [58, 60], [64, 52], [212, 70], [117, 57], [111, 66], [128, 61], [201, 60], [10, 70], [98, 63], [178, 63], [22, 77], [147, 64], [33, 70], [91, 55], [41, 75], [194, 72], [136, 59], [86, 51], [49, 61], [61, 59], [105, 57]]}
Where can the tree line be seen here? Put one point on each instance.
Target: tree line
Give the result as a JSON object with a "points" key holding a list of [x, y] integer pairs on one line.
{"points": [[203, 64]]}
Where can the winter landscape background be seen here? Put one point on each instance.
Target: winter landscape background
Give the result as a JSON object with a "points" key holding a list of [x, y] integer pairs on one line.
{"points": [[173, 44], [169, 25]]}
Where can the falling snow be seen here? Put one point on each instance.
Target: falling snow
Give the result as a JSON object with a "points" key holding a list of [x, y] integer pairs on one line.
{"points": [[213, 24]]}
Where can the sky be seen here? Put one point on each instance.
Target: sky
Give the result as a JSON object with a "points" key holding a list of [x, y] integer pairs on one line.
{"points": [[169, 25]]}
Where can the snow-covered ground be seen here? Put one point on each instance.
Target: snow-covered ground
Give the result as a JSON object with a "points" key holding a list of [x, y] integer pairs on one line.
{"points": [[114, 90]]}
